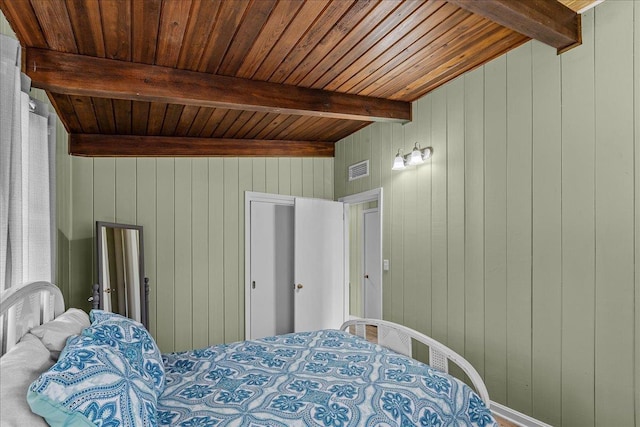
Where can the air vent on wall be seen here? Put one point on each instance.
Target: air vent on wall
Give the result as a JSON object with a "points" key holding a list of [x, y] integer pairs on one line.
{"points": [[359, 170]]}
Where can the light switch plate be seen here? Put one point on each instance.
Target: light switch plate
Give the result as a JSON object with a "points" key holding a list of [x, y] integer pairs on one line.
{"points": [[385, 265]]}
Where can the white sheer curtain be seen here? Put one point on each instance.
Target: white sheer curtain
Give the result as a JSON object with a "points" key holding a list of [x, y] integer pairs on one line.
{"points": [[27, 177]]}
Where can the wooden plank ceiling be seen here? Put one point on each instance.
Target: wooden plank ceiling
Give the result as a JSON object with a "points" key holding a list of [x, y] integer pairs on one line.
{"points": [[256, 77]]}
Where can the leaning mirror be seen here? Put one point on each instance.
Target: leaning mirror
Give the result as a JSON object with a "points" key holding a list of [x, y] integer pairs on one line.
{"points": [[122, 287]]}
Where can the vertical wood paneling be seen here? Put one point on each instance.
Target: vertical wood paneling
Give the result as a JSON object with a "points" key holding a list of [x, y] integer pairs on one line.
{"points": [[387, 175], [547, 236], [356, 154], [192, 211], [455, 215], [474, 331], [374, 162], [146, 215], [365, 154], [183, 284], [327, 166], [296, 177], [284, 176], [578, 224], [259, 175], [216, 251], [614, 209], [244, 184], [307, 177], [411, 257], [636, 109], [231, 246], [439, 252], [126, 191], [104, 178], [519, 148], [272, 175], [81, 247], [340, 179], [423, 206], [495, 228], [396, 240], [352, 154], [165, 253], [318, 178]]}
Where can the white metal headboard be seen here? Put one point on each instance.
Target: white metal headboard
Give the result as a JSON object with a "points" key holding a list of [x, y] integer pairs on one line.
{"points": [[398, 338], [24, 307]]}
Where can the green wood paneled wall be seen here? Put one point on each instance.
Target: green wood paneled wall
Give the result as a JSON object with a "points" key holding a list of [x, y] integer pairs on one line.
{"points": [[192, 211], [518, 244]]}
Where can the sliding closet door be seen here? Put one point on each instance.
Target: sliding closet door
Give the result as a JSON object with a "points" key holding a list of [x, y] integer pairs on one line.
{"points": [[319, 265]]}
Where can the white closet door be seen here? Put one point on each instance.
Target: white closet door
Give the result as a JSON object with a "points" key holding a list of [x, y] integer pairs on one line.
{"points": [[263, 287], [319, 265]]}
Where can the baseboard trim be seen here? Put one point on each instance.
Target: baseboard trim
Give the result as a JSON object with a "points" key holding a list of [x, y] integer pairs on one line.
{"points": [[515, 417]]}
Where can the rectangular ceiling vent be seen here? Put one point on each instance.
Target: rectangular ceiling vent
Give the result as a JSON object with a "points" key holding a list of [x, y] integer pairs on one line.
{"points": [[359, 170]]}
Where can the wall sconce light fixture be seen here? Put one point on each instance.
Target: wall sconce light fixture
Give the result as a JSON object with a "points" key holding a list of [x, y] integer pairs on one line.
{"points": [[416, 157]]}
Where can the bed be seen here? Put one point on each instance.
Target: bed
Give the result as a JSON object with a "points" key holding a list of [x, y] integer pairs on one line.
{"points": [[109, 372]]}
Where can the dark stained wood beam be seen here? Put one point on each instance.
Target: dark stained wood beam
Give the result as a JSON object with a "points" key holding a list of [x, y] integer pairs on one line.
{"points": [[73, 74], [95, 145], [548, 21]]}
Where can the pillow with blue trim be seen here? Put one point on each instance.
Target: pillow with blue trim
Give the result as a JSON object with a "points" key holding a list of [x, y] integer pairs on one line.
{"points": [[93, 384], [132, 340]]}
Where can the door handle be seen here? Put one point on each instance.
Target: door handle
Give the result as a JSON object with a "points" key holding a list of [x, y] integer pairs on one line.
{"points": [[253, 284], [366, 276], [299, 286]]}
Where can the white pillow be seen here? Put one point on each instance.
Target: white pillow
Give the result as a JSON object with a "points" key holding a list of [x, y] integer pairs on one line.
{"points": [[54, 334], [18, 369]]}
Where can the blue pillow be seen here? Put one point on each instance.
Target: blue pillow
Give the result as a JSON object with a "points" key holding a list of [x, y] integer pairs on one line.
{"points": [[93, 384], [132, 340]]}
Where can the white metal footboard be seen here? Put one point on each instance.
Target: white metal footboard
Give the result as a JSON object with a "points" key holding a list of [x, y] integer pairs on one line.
{"points": [[398, 338], [24, 307]]}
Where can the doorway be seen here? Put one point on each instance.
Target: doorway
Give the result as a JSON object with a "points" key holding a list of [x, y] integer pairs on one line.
{"points": [[372, 277], [363, 243], [294, 264]]}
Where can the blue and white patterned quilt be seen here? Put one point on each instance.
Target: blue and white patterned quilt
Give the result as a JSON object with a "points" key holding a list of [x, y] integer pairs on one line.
{"points": [[323, 378]]}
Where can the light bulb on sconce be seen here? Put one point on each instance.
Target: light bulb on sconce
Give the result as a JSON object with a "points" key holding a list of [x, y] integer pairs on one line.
{"points": [[416, 157], [398, 162]]}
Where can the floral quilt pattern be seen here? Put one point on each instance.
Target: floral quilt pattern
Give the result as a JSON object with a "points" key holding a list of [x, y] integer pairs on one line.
{"points": [[325, 378]]}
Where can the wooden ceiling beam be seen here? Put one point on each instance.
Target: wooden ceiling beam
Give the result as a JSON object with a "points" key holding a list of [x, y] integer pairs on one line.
{"points": [[80, 75], [548, 21], [97, 145]]}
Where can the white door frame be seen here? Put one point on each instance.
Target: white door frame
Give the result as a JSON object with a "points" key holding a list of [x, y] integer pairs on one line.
{"points": [[366, 196], [252, 196]]}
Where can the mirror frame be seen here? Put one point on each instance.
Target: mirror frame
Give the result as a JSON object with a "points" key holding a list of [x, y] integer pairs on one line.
{"points": [[144, 282]]}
